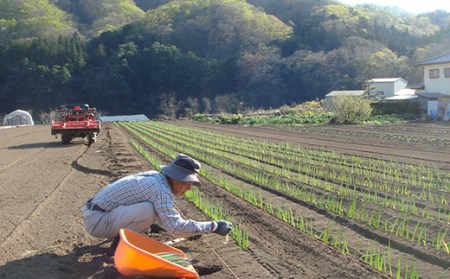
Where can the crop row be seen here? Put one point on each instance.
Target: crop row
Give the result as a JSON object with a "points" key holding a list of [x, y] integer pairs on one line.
{"points": [[390, 136], [260, 175], [283, 154], [286, 214], [377, 185]]}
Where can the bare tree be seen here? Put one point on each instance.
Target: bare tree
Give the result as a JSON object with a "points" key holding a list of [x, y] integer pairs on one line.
{"points": [[193, 104], [226, 103], [206, 105], [168, 105]]}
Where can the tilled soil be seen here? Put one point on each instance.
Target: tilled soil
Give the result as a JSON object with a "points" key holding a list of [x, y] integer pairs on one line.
{"points": [[428, 140], [43, 185], [416, 143]]}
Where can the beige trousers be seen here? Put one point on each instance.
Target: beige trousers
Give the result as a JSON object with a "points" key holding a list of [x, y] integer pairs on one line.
{"points": [[136, 217]]}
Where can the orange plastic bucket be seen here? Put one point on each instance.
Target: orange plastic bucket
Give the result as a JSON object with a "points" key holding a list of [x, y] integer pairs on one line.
{"points": [[134, 257]]}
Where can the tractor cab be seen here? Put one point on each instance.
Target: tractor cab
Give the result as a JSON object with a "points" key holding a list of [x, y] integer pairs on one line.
{"points": [[78, 113]]}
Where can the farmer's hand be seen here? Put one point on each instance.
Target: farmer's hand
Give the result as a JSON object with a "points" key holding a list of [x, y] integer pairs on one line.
{"points": [[223, 227]]}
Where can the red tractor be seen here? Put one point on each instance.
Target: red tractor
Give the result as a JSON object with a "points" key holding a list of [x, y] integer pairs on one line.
{"points": [[76, 121]]}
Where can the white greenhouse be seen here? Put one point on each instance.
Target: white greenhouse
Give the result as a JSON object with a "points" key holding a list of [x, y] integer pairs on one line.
{"points": [[18, 117]]}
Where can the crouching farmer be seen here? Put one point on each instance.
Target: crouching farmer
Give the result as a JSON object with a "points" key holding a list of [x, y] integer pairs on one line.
{"points": [[139, 200]]}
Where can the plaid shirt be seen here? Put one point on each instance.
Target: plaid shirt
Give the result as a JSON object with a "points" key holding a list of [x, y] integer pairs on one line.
{"points": [[150, 186]]}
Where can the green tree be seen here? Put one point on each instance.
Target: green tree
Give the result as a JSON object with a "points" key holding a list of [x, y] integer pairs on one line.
{"points": [[21, 19], [261, 81], [212, 27], [107, 15], [146, 5], [385, 63]]}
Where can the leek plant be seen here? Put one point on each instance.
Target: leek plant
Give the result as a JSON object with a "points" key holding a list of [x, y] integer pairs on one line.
{"points": [[173, 258]]}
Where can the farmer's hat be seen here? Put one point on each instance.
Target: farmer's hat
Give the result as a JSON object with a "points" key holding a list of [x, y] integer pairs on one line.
{"points": [[184, 169]]}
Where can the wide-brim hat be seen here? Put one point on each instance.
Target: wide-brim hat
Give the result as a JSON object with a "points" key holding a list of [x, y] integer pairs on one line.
{"points": [[183, 168]]}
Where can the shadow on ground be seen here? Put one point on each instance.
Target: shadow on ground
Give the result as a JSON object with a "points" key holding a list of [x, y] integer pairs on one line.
{"points": [[40, 145], [82, 262]]}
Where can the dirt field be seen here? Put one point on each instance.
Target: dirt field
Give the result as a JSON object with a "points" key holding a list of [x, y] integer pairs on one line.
{"points": [[43, 184]]}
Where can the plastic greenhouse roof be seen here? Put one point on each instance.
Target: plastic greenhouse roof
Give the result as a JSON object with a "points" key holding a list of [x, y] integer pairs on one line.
{"points": [[124, 118]]}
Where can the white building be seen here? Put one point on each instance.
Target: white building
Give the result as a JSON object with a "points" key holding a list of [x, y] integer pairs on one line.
{"points": [[330, 96], [386, 87], [437, 74], [436, 77]]}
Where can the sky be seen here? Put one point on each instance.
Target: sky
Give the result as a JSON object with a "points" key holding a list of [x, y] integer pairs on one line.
{"points": [[412, 6]]}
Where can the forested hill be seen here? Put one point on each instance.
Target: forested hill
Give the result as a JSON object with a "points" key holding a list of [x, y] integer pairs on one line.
{"points": [[162, 57]]}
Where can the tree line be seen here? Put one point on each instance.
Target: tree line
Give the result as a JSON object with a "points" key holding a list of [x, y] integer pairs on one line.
{"points": [[184, 57]]}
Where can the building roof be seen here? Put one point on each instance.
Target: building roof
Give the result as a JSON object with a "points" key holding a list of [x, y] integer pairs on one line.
{"points": [[346, 93], [431, 95], [124, 118], [401, 98], [405, 91], [419, 85], [437, 60], [386, 79]]}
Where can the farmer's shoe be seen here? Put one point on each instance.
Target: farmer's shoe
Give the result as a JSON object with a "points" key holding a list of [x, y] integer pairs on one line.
{"points": [[112, 249]]}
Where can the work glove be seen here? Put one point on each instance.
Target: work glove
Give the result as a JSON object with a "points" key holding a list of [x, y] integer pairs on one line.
{"points": [[223, 227]]}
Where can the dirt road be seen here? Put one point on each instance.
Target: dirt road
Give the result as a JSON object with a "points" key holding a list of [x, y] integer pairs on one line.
{"points": [[43, 185]]}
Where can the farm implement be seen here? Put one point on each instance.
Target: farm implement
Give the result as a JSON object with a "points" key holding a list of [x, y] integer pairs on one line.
{"points": [[76, 121]]}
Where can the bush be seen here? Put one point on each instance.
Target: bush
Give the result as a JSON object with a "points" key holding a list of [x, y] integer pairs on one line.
{"points": [[389, 119], [348, 109], [288, 110], [200, 117], [409, 107], [231, 118]]}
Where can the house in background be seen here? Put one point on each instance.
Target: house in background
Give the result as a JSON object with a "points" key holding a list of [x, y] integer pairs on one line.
{"points": [[437, 74], [329, 97], [386, 87], [434, 99]]}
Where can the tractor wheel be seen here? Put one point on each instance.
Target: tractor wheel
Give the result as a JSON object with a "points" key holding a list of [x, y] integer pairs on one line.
{"points": [[66, 138]]}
